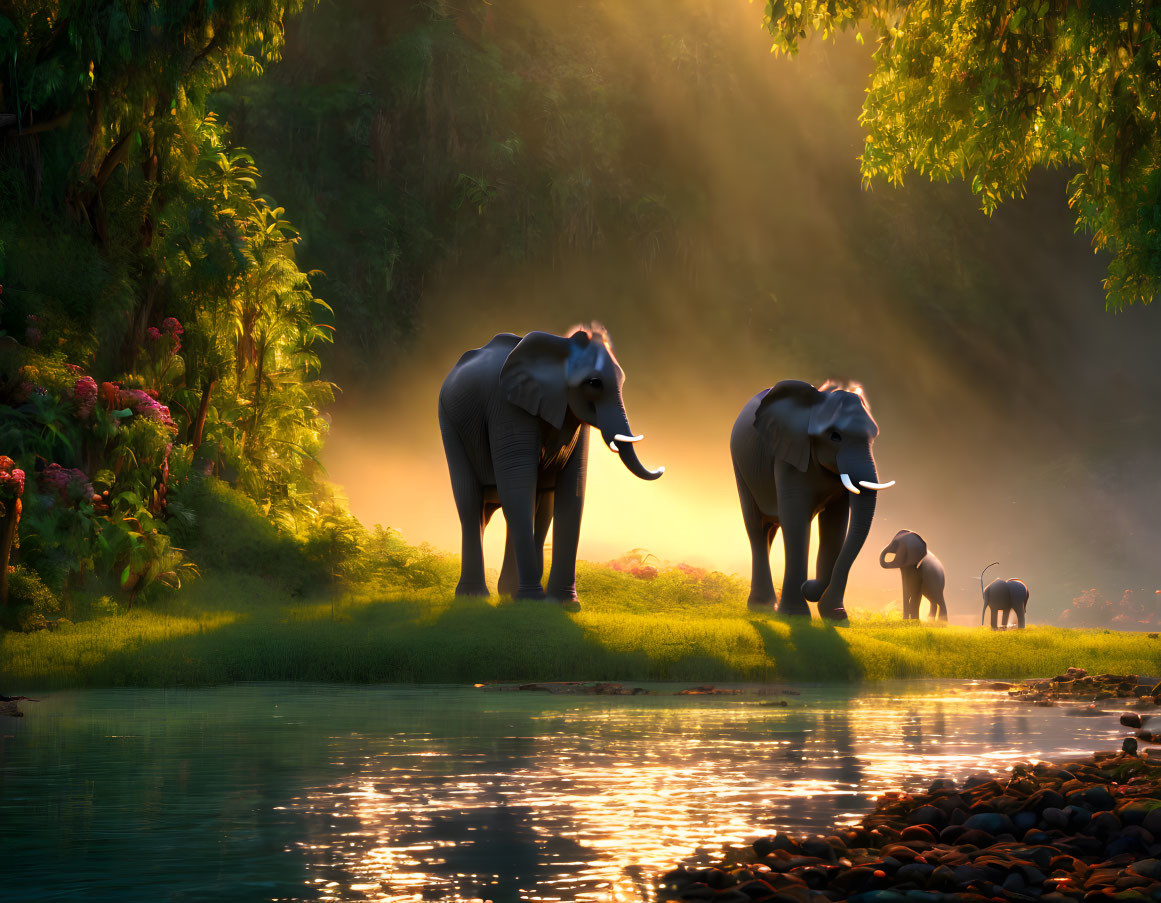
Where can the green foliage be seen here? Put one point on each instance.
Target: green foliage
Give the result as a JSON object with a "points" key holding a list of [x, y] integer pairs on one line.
{"points": [[228, 532], [433, 134], [27, 591], [138, 254], [985, 91]]}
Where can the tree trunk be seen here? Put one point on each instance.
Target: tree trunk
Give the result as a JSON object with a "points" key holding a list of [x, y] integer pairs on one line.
{"points": [[8, 524], [199, 423]]}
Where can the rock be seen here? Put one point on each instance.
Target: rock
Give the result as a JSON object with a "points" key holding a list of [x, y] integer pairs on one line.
{"points": [[1131, 719], [928, 815], [1129, 745], [991, 822]]}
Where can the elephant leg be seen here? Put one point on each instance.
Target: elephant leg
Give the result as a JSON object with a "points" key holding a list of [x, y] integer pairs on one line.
{"points": [[567, 506], [911, 594], [1019, 616], [469, 497], [509, 574], [509, 583], [938, 606], [832, 530], [795, 517], [540, 523], [1004, 622], [516, 456], [995, 614], [761, 532]]}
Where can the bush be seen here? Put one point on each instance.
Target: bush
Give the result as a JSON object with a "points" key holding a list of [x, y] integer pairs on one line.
{"points": [[224, 530], [29, 600]]}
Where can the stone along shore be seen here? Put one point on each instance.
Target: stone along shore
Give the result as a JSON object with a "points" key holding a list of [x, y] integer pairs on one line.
{"points": [[1081, 832]]}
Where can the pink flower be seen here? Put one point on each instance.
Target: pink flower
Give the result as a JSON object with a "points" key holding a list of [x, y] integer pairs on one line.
{"points": [[172, 326], [69, 484], [11, 478], [145, 405], [12, 483], [154, 333], [85, 396]]}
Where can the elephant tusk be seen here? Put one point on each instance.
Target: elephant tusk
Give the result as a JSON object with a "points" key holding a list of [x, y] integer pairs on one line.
{"points": [[621, 438], [867, 485], [659, 471], [613, 446], [851, 486]]}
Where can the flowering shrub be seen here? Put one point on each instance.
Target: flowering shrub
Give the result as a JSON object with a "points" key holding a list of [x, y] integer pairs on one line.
{"points": [[69, 484], [1135, 610], [85, 396], [11, 479], [635, 563]]}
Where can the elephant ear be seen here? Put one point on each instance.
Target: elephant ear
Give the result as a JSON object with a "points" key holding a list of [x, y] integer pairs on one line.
{"points": [[916, 548], [533, 375], [783, 421]]}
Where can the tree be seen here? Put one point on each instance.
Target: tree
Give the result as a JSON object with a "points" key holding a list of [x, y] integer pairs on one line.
{"points": [[986, 90]]}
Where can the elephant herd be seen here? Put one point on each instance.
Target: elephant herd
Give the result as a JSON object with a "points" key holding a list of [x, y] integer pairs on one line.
{"points": [[511, 415]]}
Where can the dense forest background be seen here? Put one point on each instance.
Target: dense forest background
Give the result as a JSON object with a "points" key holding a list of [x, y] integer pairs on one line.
{"points": [[419, 176]]}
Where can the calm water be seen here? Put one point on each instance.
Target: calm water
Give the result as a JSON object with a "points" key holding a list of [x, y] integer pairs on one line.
{"points": [[279, 792]]}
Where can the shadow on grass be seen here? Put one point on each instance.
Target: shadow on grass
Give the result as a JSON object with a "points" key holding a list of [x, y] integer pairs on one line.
{"points": [[462, 641], [807, 651]]}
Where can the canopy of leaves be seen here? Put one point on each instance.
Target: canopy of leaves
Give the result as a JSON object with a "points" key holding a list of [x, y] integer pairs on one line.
{"points": [[438, 133], [985, 90], [137, 254]]}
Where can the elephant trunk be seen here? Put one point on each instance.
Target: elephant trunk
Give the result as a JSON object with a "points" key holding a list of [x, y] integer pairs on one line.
{"points": [[883, 562], [862, 513], [614, 427]]}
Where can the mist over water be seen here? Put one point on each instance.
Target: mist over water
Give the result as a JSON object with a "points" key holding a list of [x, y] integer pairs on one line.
{"points": [[1016, 415]]}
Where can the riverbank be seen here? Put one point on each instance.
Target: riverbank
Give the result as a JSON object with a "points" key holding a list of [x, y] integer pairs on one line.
{"points": [[1086, 830], [678, 626]]}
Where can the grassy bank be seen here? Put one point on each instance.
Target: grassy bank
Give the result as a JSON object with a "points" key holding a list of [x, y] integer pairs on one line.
{"points": [[678, 626]]}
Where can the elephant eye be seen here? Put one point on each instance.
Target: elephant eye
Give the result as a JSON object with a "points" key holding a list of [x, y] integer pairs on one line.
{"points": [[835, 437], [594, 382]]}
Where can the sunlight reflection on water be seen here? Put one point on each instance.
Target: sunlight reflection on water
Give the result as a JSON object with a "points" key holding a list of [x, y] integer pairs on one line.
{"points": [[608, 793], [276, 792]]}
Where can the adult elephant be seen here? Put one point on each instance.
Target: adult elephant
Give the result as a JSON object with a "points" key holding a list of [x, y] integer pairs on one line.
{"points": [[514, 417], [1005, 596], [799, 452]]}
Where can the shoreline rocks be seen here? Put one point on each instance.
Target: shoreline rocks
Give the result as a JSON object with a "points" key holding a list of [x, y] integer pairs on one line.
{"points": [[1084, 831], [1076, 685]]}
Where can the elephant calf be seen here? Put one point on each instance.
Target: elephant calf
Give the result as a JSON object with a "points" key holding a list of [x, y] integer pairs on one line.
{"points": [[798, 452], [1003, 596], [922, 573], [514, 416]]}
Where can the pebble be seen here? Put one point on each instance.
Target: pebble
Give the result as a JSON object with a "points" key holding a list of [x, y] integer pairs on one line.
{"points": [[1087, 831]]}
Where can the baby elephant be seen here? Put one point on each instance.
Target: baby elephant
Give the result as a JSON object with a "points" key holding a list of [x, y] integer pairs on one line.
{"points": [[922, 574], [1003, 595]]}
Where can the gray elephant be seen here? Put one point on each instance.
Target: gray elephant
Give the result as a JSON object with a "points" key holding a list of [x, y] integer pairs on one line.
{"points": [[1003, 596], [514, 417], [799, 452], [922, 573]]}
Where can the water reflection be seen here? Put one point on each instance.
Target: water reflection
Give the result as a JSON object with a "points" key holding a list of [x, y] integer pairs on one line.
{"points": [[325, 793]]}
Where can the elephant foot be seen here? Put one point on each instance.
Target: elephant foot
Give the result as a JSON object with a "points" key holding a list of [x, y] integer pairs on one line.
{"points": [[562, 594], [835, 614], [761, 603], [471, 590], [796, 607], [530, 592], [812, 590]]}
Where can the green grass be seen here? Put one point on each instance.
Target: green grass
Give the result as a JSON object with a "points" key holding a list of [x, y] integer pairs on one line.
{"points": [[236, 626]]}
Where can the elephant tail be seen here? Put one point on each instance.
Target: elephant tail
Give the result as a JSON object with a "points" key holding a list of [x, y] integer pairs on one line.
{"points": [[984, 611]]}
